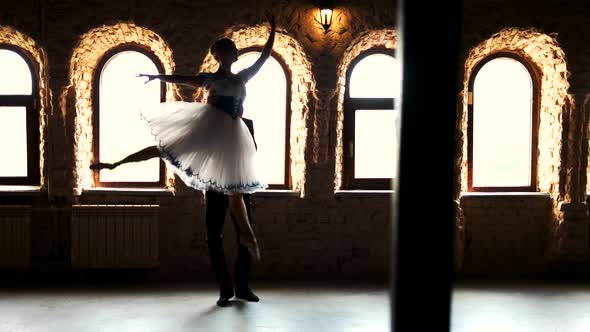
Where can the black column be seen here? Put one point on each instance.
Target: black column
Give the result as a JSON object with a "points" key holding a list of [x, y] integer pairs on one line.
{"points": [[423, 203]]}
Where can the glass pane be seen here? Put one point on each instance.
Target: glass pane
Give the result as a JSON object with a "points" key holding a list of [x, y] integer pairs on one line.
{"points": [[376, 143], [376, 76], [122, 131], [13, 141], [15, 75], [265, 105], [502, 125]]}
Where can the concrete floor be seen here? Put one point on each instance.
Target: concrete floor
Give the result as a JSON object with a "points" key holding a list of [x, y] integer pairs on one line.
{"points": [[192, 308], [175, 308], [529, 307]]}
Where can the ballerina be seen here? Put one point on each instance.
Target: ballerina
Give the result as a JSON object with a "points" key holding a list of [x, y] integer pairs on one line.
{"points": [[207, 144]]}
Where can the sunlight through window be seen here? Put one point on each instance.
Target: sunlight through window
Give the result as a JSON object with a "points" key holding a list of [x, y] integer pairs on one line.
{"points": [[502, 125], [15, 75], [374, 83], [376, 76], [265, 105], [121, 130], [15, 79], [375, 138], [13, 135]]}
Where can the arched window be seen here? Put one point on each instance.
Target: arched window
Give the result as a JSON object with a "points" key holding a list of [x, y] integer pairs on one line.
{"points": [[370, 121], [19, 118], [502, 127], [267, 104], [118, 128]]}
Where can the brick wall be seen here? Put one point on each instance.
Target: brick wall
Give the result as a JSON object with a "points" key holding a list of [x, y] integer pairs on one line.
{"points": [[385, 38], [85, 59], [315, 234], [506, 234], [38, 55], [530, 235], [311, 234]]}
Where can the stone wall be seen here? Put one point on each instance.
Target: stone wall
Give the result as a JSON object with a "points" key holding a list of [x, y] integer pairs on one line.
{"points": [[547, 59], [507, 235], [309, 232], [387, 39], [38, 56], [314, 232], [85, 59]]}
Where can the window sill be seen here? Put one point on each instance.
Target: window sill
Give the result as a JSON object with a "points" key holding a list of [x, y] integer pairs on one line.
{"points": [[505, 194], [158, 192], [277, 193], [20, 191], [362, 193]]}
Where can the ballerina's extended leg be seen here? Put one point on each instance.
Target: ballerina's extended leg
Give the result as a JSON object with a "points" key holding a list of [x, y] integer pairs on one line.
{"points": [[247, 237], [145, 154]]}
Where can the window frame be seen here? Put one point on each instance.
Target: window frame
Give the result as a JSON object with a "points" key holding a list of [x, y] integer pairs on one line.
{"points": [[281, 61], [96, 114], [351, 105], [31, 104], [535, 106]]}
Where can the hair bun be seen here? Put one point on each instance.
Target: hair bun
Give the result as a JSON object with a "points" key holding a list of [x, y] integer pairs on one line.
{"points": [[220, 43]]}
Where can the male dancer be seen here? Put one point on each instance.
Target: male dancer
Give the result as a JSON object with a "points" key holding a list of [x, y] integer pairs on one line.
{"points": [[216, 206]]}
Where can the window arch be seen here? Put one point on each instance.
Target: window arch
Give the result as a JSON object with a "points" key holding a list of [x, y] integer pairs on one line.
{"points": [[370, 120], [119, 96], [267, 104], [19, 118], [502, 125]]}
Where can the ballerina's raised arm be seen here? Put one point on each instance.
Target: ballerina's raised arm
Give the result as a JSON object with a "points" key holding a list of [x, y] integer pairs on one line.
{"points": [[247, 73], [200, 79], [194, 81]]}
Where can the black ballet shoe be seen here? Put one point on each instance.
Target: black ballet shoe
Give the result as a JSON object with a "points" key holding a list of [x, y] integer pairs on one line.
{"points": [[99, 166], [247, 295], [224, 296]]}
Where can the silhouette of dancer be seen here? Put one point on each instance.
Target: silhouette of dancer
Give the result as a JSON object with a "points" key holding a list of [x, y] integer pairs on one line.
{"points": [[207, 144]]}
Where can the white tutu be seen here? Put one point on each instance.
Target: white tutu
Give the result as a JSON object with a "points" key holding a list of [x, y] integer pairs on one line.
{"points": [[207, 148]]}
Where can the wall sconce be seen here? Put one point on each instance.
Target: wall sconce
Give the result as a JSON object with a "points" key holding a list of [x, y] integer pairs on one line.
{"points": [[326, 11]]}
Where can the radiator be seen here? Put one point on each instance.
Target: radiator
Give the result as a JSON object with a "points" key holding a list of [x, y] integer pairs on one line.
{"points": [[15, 236], [114, 236]]}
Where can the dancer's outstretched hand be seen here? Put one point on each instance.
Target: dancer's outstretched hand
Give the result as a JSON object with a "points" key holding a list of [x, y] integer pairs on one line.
{"points": [[150, 77]]}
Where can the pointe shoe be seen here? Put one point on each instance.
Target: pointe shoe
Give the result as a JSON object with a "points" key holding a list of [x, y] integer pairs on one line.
{"points": [[246, 295], [224, 296], [99, 166]]}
